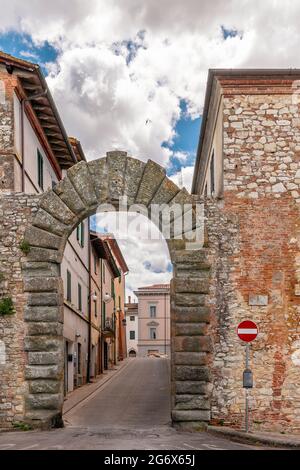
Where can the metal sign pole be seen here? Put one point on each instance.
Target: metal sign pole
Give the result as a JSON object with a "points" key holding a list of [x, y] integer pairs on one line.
{"points": [[246, 391]]}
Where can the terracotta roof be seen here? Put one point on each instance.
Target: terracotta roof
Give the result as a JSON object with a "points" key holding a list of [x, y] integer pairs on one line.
{"points": [[35, 91]]}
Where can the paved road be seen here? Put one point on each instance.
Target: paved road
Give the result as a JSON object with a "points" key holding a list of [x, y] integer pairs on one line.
{"points": [[131, 411]]}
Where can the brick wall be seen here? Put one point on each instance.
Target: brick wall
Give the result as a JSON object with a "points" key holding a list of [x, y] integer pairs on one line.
{"points": [[254, 240]]}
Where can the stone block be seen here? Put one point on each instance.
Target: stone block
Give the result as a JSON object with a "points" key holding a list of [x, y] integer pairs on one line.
{"points": [[44, 314], [190, 285], [192, 373], [260, 300], [67, 193], [191, 415], [191, 402], [116, 164], [183, 197], [47, 222], [44, 255], [48, 299], [52, 204], [191, 257], [44, 386], [191, 314], [44, 328], [44, 284], [133, 175], [43, 343], [44, 358], [192, 344], [43, 372], [190, 329], [191, 358], [166, 191], [152, 177], [191, 300], [80, 177], [193, 387], [38, 237], [51, 401], [40, 269], [99, 176]]}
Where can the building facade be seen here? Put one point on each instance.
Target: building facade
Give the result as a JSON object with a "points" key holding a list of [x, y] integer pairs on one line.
{"points": [[153, 319], [132, 327], [33, 160], [248, 175]]}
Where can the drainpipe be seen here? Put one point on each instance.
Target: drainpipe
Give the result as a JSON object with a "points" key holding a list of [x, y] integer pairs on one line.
{"points": [[88, 375]]}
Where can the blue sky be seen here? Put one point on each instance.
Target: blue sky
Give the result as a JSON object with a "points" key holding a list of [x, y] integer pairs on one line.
{"points": [[186, 129]]}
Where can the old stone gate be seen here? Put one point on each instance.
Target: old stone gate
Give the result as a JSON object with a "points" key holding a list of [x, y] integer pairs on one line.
{"points": [[34, 231]]}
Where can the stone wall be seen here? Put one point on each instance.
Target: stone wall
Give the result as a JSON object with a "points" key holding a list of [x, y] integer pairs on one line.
{"points": [[7, 84], [15, 211], [254, 242]]}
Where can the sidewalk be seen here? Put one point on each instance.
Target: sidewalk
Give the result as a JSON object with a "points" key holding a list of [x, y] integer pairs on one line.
{"points": [[80, 394], [291, 441]]}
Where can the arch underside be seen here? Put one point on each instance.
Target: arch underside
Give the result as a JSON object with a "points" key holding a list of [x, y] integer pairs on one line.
{"points": [[85, 188]]}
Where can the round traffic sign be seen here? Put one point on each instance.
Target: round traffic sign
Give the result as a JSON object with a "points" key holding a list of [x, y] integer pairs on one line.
{"points": [[247, 331]]}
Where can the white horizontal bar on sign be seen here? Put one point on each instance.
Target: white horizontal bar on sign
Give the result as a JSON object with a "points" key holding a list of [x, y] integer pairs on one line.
{"points": [[247, 331]]}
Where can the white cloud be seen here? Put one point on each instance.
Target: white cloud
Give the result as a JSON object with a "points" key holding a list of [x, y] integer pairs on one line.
{"points": [[184, 177], [148, 260], [109, 101]]}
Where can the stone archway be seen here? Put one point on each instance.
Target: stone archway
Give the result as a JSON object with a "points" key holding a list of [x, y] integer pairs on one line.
{"points": [[57, 213]]}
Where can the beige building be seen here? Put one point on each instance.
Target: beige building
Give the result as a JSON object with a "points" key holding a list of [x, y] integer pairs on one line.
{"points": [[153, 319], [42, 154], [132, 326]]}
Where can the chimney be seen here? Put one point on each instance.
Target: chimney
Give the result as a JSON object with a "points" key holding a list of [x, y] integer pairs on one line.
{"points": [[129, 299]]}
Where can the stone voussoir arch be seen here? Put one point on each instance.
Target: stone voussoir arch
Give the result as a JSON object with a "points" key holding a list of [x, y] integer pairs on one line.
{"points": [[60, 210]]}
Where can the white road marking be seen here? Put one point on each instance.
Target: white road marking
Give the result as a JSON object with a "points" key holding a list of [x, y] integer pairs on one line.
{"points": [[191, 447], [213, 447], [29, 447], [7, 446]]}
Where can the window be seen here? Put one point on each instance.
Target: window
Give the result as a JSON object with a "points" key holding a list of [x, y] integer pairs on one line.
{"points": [[119, 302], [152, 311], [103, 314], [80, 234], [103, 271], [152, 333], [132, 334], [79, 359], [132, 317], [212, 173], [40, 170], [79, 297], [95, 264], [95, 305], [69, 286], [112, 288]]}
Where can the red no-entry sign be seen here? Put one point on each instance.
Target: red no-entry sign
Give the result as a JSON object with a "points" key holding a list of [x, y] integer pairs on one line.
{"points": [[247, 331]]}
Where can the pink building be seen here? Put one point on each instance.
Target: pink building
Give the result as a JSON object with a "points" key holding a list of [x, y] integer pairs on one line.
{"points": [[153, 319]]}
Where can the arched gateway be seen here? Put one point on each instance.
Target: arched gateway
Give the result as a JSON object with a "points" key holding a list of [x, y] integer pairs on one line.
{"points": [[50, 218]]}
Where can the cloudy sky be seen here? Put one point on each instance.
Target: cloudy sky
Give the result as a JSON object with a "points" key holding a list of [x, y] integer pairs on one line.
{"points": [[131, 74]]}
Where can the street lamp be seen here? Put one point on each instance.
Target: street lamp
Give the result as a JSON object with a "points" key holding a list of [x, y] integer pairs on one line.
{"points": [[107, 297]]}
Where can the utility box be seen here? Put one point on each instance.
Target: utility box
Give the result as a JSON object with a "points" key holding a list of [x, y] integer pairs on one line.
{"points": [[247, 378]]}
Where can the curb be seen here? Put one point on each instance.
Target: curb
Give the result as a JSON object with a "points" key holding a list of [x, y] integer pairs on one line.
{"points": [[241, 436]]}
